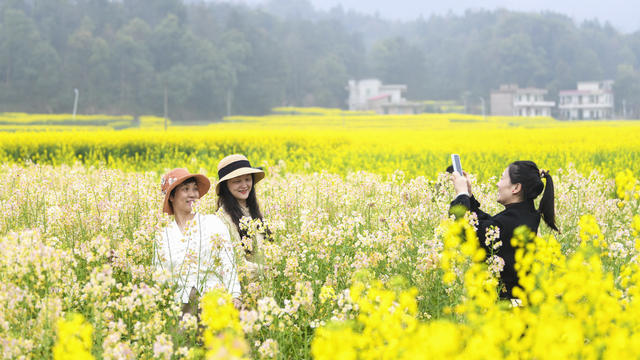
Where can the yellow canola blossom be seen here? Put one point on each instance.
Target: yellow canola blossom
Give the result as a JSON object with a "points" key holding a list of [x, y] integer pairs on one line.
{"points": [[417, 148], [74, 339], [223, 337], [627, 185], [572, 307]]}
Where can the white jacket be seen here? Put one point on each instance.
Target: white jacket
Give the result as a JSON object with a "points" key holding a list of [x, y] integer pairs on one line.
{"points": [[202, 257]]}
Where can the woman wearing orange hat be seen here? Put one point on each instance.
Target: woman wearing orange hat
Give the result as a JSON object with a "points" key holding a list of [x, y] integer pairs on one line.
{"points": [[237, 200], [194, 248]]}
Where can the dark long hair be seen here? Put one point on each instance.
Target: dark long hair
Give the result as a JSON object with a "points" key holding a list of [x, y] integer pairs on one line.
{"points": [[228, 202], [530, 178]]}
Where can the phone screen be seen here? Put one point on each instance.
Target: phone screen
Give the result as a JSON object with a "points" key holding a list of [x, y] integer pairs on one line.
{"points": [[455, 159]]}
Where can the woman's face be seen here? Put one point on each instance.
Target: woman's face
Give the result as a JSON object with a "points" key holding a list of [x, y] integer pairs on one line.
{"points": [[240, 186], [507, 192], [185, 195]]}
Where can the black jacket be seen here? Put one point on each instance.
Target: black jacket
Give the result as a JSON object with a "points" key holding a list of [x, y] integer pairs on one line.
{"points": [[514, 215]]}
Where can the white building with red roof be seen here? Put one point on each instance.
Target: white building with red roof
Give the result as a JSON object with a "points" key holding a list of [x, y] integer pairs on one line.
{"points": [[372, 95], [592, 100]]}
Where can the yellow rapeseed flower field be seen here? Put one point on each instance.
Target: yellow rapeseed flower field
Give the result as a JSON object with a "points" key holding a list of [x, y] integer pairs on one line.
{"points": [[366, 261], [414, 144], [16, 122]]}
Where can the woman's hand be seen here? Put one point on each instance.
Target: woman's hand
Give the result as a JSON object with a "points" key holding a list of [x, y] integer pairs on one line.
{"points": [[237, 303], [461, 183], [469, 190]]}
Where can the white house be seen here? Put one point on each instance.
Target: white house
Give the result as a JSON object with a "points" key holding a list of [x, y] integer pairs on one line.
{"points": [[591, 100], [510, 100], [372, 95]]}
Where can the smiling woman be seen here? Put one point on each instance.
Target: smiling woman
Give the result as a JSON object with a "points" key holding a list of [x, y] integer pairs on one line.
{"points": [[194, 249], [238, 206], [520, 184]]}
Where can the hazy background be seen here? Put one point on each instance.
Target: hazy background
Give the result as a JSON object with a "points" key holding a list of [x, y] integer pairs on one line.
{"points": [[212, 59], [622, 14]]}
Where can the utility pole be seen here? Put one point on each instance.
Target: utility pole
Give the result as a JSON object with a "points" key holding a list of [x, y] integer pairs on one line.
{"points": [[75, 103], [484, 111], [166, 107], [229, 99]]}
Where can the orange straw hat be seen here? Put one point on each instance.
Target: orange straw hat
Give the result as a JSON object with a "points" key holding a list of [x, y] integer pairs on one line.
{"points": [[176, 177], [236, 165]]}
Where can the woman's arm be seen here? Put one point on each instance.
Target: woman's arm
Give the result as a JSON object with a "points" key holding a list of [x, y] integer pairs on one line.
{"points": [[485, 221], [464, 195], [475, 207], [471, 204]]}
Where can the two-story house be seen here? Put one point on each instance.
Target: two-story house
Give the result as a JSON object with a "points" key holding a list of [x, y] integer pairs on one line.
{"points": [[510, 100], [591, 100]]}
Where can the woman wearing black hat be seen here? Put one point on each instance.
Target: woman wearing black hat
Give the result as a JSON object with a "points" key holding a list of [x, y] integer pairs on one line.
{"points": [[520, 184], [237, 201]]}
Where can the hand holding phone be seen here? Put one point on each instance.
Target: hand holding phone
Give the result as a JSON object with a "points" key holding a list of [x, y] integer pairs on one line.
{"points": [[461, 183], [457, 166]]}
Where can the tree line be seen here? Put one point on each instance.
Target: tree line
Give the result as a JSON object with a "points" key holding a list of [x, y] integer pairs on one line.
{"points": [[207, 60]]}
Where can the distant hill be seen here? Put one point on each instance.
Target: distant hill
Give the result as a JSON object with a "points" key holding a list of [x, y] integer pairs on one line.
{"points": [[212, 59]]}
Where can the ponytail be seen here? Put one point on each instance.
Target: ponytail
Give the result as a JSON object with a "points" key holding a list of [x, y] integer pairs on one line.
{"points": [[527, 174], [547, 207]]}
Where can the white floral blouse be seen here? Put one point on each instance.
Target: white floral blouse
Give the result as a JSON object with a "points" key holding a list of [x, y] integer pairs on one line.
{"points": [[201, 258]]}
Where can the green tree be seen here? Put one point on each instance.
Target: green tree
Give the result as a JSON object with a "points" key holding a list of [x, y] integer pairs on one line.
{"points": [[170, 44], [154, 11], [87, 64], [44, 90], [328, 81], [627, 91], [22, 61], [519, 62], [133, 66], [397, 61], [262, 81]]}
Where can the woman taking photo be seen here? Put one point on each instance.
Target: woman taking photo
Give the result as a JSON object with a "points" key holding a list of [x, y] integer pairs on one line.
{"points": [[194, 248], [237, 200], [520, 184]]}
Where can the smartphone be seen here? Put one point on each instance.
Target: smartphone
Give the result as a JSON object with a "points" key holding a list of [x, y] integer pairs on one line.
{"points": [[455, 160]]}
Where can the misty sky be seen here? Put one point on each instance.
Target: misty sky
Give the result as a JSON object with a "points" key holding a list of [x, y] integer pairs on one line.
{"points": [[622, 14]]}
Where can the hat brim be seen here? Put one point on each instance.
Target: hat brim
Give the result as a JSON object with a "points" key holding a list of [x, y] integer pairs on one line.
{"points": [[259, 175], [203, 187]]}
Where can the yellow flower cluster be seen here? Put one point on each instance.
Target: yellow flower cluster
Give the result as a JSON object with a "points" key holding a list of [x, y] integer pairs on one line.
{"points": [[223, 337], [74, 339], [590, 232], [460, 244], [627, 185], [571, 307], [384, 329]]}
